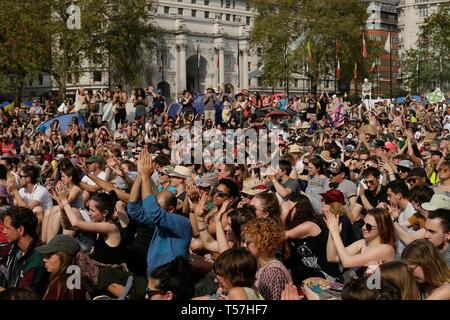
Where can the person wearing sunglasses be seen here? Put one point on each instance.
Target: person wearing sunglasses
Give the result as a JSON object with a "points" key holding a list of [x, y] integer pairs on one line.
{"points": [[378, 243], [444, 178], [403, 169], [171, 281], [417, 177]]}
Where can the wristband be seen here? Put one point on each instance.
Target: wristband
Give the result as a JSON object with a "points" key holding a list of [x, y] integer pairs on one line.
{"points": [[395, 220], [65, 203]]}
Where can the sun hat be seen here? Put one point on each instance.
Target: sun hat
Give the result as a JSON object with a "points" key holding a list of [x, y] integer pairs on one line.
{"points": [[252, 186], [438, 201]]}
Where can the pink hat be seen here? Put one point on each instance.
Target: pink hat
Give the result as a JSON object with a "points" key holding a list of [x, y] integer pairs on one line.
{"points": [[390, 146]]}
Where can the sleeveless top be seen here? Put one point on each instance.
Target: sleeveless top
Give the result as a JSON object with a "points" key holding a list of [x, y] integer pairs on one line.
{"points": [[106, 254], [252, 294], [309, 257]]}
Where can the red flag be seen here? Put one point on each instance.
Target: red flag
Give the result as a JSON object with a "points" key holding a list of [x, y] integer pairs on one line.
{"points": [[364, 49], [339, 70], [355, 72]]}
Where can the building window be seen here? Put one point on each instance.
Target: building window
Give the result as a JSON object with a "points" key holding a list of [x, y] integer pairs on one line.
{"points": [[97, 76], [30, 83], [296, 83], [228, 62], [41, 81], [180, 11], [206, 2], [259, 82], [234, 18], [227, 3], [166, 10], [249, 66], [423, 12], [193, 1], [259, 52], [227, 17], [194, 13], [247, 20], [161, 57], [247, 6], [234, 4], [206, 14], [221, 3], [69, 78], [180, 0]]}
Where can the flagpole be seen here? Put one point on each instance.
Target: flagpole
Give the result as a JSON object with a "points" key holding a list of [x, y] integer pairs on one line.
{"points": [[378, 81], [285, 71], [162, 74], [198, 68], [335, 65], [239, 67]]}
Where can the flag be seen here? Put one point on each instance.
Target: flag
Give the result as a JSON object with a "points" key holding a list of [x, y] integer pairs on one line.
{"points": [[372, 68], [355, 72], [338, 75], [418, 63], [218, 61], [387, 45], [309, 53], [319, 74], [364, 49], [436, 97]]}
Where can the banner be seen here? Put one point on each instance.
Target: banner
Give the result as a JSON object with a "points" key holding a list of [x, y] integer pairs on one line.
{"points": [[436, 97]]}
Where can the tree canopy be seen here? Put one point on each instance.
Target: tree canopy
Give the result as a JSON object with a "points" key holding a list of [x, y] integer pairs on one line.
{"points": [[322, 24]]}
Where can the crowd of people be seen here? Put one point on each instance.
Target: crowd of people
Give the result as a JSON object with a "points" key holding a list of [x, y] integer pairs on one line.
{"points": [[358, 192]]}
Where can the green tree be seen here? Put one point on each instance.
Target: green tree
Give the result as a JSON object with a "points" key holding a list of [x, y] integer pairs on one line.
{"points": [[119, 32], [24, 42], [428, 66], [319, 23]]}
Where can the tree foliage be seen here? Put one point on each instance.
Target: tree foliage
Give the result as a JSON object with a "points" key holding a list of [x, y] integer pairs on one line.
{"points": [[428, 65], [320, 23], [24, 44]]}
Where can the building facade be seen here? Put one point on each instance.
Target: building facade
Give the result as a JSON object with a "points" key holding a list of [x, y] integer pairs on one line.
{"points": [[382, 27], [206, 45], [412, 14]]}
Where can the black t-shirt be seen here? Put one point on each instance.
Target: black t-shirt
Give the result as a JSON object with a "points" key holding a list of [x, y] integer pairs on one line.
{"points": [[374, 200]]}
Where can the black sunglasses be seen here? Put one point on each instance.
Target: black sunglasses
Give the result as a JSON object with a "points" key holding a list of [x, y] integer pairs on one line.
{"points": [[400, 169], [411, 180], [220, 193], [370, 227], [150, 293]]}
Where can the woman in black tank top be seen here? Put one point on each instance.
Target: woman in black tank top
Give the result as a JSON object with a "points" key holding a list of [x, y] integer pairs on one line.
{"points": [[109, 244], [307, 237]]}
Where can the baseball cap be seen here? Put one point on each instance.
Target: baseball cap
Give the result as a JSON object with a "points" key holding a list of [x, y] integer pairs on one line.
{"points": [[336, 167], [60, 243], [95, 159], [349, 148], [438, 201], [417, 172], [405, 164], [333, 195], [390, 146]]}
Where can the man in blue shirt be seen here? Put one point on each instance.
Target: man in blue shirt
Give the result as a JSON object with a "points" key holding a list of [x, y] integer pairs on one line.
{"points": [[173, 232]]}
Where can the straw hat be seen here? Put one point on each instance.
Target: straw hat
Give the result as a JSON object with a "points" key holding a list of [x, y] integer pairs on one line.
{"points": [[253, 186], [179, 172], [326, 156], [294, 148]]}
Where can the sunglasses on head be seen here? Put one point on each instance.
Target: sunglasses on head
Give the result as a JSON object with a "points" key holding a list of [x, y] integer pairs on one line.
{"points": [[369, 227]]}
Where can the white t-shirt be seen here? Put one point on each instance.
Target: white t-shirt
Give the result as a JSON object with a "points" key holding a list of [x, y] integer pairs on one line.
{"points": [[87, 180], [404, 216], [40, 194]]}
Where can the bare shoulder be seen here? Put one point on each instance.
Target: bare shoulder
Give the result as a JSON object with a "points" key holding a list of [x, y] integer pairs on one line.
{"points": [[441, 293], [237, 293]]}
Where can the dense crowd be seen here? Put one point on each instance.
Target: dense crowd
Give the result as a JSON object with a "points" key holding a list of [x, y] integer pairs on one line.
{"points": [[357, 205]]}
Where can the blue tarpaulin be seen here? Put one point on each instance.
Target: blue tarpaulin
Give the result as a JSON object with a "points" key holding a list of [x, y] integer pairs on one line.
{"points": [[64, 121]]}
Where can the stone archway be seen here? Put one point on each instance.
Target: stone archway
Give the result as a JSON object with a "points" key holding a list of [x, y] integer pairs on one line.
{"points": [[196, 72]]}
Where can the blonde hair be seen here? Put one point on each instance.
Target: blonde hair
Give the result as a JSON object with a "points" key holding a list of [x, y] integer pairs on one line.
{"points": [[398, 273], [338, 209]]}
